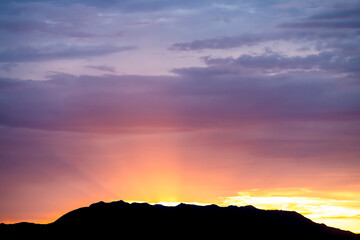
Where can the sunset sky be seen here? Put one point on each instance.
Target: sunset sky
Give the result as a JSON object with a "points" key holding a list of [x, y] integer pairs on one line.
{"points": [[204, 101]]}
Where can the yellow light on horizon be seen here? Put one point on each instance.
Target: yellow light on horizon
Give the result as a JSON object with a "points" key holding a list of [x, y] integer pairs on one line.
{"points": [[339, 213]]}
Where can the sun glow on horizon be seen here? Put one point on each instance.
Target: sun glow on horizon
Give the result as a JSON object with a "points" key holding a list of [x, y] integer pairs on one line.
{"points": [[171, 204], [320, 207]]}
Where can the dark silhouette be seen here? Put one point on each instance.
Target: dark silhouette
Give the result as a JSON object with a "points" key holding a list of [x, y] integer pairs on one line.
{"points": [[121, 220]]}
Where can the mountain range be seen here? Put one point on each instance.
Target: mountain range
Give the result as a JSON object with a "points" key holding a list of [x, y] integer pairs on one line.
{"points": [[122, 220]]}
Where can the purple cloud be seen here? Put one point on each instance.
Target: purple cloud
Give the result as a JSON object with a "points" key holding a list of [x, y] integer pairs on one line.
{"points": [[354, 24], [251, 39], [338, 17], [103, 68], [339, 11], [54, 52], [58, 28], [326, 25], [7, 67], [196, 100], [224, 42], [326, 61]]}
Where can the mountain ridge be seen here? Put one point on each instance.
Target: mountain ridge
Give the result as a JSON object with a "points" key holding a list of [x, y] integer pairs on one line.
{"points": [[142, 220]]}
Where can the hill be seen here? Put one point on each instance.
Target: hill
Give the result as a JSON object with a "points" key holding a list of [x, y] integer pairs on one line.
{"points": [[121, 220]]}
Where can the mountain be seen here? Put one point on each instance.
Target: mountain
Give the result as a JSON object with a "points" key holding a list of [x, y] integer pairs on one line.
{"points": [[121, 220]]}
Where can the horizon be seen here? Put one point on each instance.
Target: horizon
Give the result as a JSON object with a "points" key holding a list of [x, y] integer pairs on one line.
{"points": [[174, 204], [269, 205], [243, 102], [160, 220]]}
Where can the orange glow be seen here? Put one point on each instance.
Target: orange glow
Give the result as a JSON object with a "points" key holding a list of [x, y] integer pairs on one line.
{"points": [[169, 168], [152, 175]]}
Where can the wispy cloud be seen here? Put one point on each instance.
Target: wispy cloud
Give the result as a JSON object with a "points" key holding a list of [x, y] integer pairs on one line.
{"points": [[325, 25], [7, 67], [103, 68], [54, 52]]}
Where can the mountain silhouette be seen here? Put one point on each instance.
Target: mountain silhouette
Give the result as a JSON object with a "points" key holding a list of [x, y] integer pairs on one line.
{"points": [[121, 220]]}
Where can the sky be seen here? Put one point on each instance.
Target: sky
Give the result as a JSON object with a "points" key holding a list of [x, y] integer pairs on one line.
{"points": [[232, 102]]}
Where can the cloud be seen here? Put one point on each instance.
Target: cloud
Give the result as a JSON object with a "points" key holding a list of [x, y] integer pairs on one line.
{"points": [[289, 116], [251, 39], [336, 45], [7, 67], [158, 5], [133, 5], [329, 24], [334, 18], [44, 21], [354, 24], [103, 68], [194, 101], [275, 63], [56, 28], [16, 26], [222, 43], [55, 52], [339, 11]]}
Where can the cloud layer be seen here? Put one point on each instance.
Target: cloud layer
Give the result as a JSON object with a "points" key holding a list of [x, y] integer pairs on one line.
{"points": [[56, 52]]}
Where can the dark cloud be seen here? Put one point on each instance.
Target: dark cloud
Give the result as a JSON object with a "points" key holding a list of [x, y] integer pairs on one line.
{"points": [[339, 11], [327, 61], [223, 43], [337, 17], [16, 26], [327, 25], [54, 52], [354, 24], [331, 31], [251, 39]]}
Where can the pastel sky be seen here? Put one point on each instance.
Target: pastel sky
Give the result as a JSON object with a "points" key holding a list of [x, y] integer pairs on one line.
{"points": [[207, 101]]}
